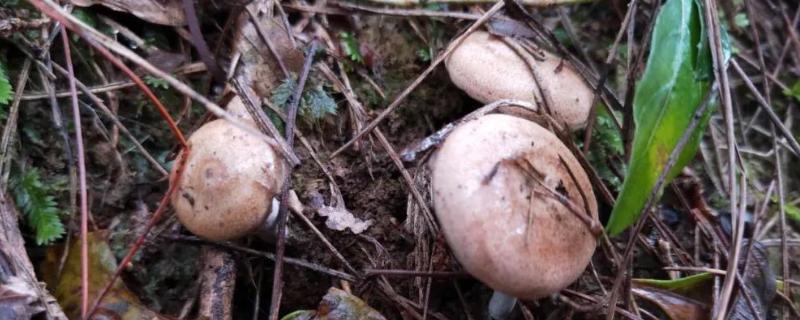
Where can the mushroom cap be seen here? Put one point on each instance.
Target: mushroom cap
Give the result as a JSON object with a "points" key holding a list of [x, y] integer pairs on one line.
{"points": [[487, 69], [228, 183], [504, 227]]}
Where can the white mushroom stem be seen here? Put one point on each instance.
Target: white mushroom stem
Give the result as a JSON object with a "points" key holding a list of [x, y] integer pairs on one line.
{"points": [[501, 305], [269, 229]]}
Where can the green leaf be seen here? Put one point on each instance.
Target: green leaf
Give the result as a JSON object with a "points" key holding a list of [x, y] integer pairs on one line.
{"points": [[606, 144], [683, 285], [741, 20], [282, 93], [5, 89], [38, 206], [672, 88], [349, 46], [156, 83], [317, 104], [792, 212], [793, 91]]}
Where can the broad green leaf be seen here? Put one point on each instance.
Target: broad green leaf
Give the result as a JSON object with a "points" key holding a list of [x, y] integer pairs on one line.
{"points": [[672, 88], [684, 286]]}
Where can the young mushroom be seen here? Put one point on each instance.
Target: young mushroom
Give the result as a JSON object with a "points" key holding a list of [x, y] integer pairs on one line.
{"points": [[230, 181], [515, 205], [490, 68]]}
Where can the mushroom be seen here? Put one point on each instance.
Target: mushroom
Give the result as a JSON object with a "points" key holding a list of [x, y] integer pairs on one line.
{"points": [[515, 205], [487, 68], [230, 180]]}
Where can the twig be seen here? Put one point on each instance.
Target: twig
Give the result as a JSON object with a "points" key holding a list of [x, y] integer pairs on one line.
{"points": [[606, 69], [10, 129], [280, 246], [721, 75], [795, 147], [267, 255], [399, 99], [785, 270], [199, 42], [414, 273], [358, 110], [84, 201], [114, 119], [325, 241], [99, 40], [404, 12], [187, 69], [265, 37], [162, 207]]}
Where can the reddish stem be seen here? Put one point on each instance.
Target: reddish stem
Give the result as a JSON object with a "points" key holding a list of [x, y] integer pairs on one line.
{"points": [[162, 206], [58, 16], [76, 116], [55, 14]]}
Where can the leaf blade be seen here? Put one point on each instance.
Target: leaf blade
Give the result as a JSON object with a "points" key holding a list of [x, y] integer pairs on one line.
{"points": [[670, 91]]}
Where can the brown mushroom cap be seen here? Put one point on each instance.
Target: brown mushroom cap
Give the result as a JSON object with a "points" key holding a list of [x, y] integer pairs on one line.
{"points": [[504, 227], [487, 69], [229, 182]]}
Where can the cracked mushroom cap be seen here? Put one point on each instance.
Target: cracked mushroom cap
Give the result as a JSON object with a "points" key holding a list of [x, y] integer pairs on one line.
{"points": [[229, 180], [488, 69], [503, 226]]}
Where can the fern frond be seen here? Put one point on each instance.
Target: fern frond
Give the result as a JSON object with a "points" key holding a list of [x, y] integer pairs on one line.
{"points": [[38, 206]]}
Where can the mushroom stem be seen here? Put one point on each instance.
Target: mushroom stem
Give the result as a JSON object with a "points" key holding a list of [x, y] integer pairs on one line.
{"points": [[268, 230], [501, 305]]}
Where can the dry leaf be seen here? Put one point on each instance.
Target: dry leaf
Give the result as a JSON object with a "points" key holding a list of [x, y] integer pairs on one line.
{"points": [[166, 12], [18, 299], [340, 219], [675, 306], [258, 67], [338, 305], [120, 303]]}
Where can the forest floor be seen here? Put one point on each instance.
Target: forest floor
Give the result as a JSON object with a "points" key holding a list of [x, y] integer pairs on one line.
{"points": [[363, 220]]}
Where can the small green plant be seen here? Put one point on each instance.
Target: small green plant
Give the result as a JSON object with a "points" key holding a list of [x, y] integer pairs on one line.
{"points": [[157, 83], [315, 104], [5, 90], [606, 143], [793, 91], [425, 54], [349, 45], [38, 205]]}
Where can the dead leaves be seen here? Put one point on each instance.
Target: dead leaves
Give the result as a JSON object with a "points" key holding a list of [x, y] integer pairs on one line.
{"points": [[120, 303], [338, 305], [165, 12]]}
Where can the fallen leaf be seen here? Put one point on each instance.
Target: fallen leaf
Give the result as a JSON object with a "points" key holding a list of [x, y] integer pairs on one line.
{"points": [[340, 219], [681, 298], [675, 306], [166, 12], [17, 299], [258, 68], [120, 303], [338, 305]]}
